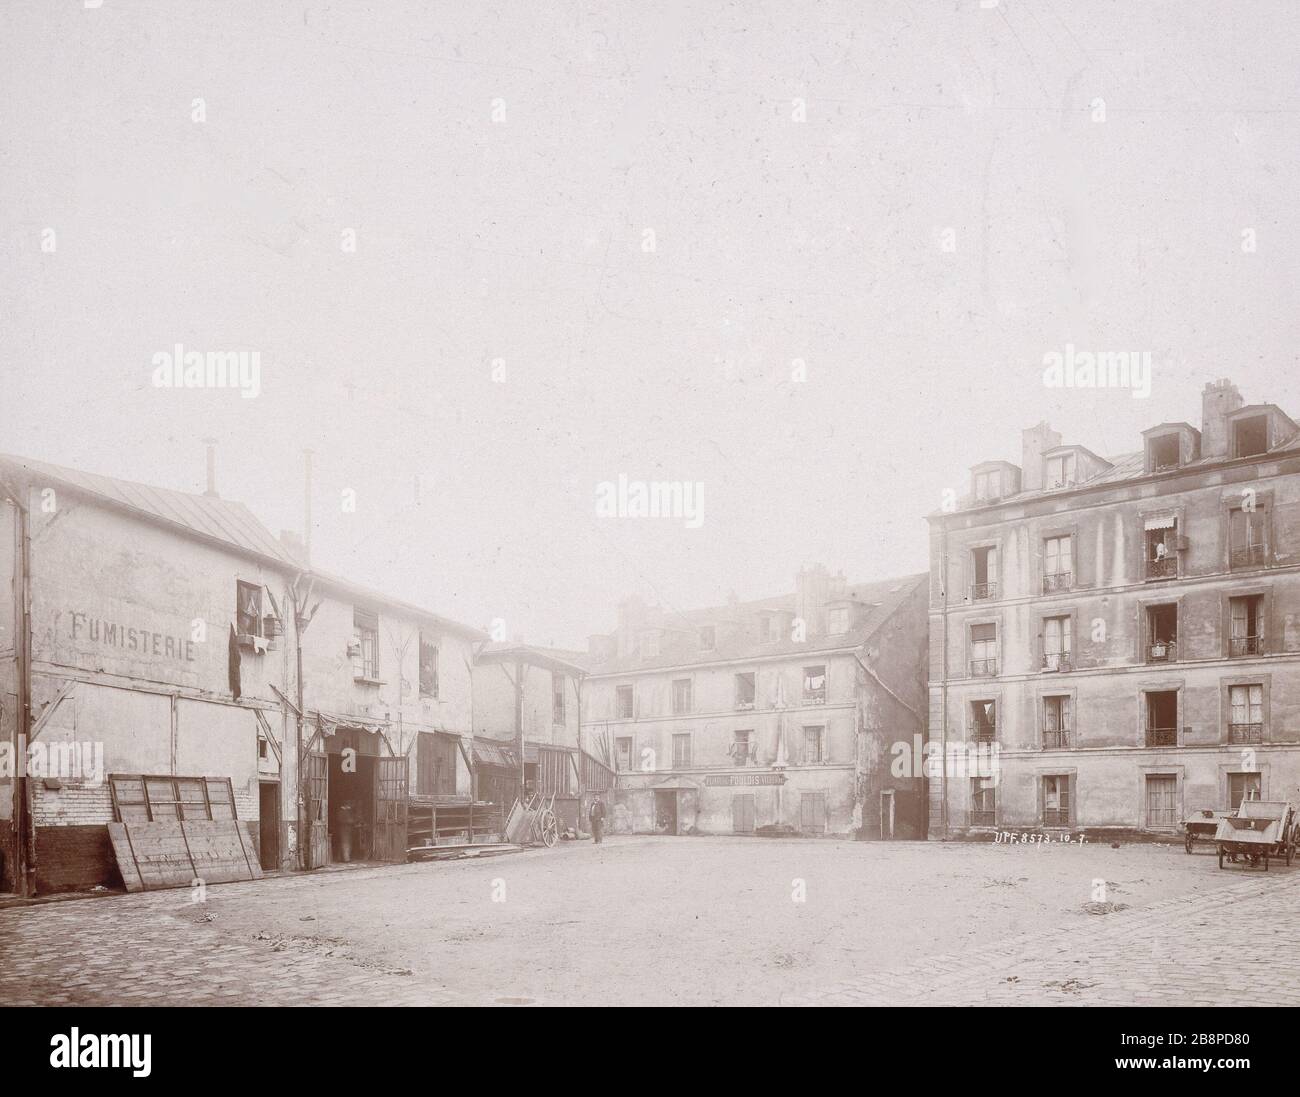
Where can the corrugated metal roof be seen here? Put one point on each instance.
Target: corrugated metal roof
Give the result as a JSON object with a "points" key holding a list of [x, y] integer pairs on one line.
{"points": [[208, 516]]}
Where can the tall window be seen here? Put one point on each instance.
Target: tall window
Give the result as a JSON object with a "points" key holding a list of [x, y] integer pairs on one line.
{"points": [[1162, 801], [428, 666], [1056, 801], [1056, 723], [365, 642], [557, 698], [623, 700], [1242, 786], [1162, 718], [681, 750], [1162, 633], [708, 638], [984, 566], [248, 608], [1246, 537], [742, 747], [837, 620], [983, 650], [988, 485], [623, 753], [1247, 716], [983, 802], [745, 690], [1058, 563], [1161, 548], [681, 696], [1056, 642], [814, 684], [984, 721], [1247, 625], [649, 645], [812, 812], [814, 743]]}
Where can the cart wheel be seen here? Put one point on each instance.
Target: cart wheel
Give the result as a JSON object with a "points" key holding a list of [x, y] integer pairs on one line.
{"points": [[1220, 857], [550, 832], [1187, 842]]}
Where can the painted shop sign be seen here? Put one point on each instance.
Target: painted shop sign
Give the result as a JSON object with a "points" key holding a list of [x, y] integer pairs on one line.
{"points": [[747, 779], [115, 634]]}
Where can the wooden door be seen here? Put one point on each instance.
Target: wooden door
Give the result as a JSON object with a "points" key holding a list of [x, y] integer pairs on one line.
{"points": [[390, 809], [742, 813], [1160, 801], [316, 784]]}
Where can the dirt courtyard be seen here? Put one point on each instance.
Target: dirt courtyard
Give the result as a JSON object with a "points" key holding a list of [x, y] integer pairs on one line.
{"points": [[690, 921]]}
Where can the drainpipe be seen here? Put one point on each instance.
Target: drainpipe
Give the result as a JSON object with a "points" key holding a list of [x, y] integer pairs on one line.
{"points": [[943, 596], [23, 828], [519, 723]]}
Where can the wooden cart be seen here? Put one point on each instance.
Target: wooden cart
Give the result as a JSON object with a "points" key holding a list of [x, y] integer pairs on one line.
{"points": [[1202, 827], [532, 821], [1256, 831]]}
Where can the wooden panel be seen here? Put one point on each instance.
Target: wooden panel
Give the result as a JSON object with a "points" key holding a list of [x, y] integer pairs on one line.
{"points": [[152, 856], [390, 809], [316, 790], [125, 857]]}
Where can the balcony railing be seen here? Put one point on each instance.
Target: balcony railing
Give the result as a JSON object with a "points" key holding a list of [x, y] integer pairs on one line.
{"points": [[985, 733], [1056, 660], [1056, 738], [1162, 737], [814, 696], [983, 668], [1166, 568], [1056, 817], [983, 817], [1246, 645], [1249, 556], [1162, 651], [1057, 580], [1245, 733], [982, 592]]}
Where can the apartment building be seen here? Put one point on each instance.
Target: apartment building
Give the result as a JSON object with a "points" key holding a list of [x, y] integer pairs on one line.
{"points": [[775, 716], [1115, 641]]}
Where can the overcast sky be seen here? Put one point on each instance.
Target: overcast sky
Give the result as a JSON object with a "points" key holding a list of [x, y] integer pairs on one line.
{"points": [[919, 200]]}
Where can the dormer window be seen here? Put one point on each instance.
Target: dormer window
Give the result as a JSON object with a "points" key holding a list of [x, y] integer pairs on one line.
{"points": [[708, 638], [837, 620], [988, 485], [1250, 436], [649, 645], [1058, 471], [1164, 453]]}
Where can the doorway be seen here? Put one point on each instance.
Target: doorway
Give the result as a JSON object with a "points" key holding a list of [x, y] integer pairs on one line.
{"points": [[665, 811], [268, 824]]}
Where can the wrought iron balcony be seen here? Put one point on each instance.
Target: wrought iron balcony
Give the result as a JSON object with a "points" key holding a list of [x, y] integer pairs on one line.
{"points": [[1162, 737], [1165, 568], [1056, 817], [1249, 556], [985, 733], [1245, 645], [983, 817], [1162, 651], [1056, 738], [1245, 733], [983, 668], [1057, 660], [1057, 580], [982, 592]]}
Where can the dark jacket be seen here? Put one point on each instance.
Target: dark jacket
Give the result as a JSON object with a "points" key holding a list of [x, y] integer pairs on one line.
{"points": [[598, 811]]}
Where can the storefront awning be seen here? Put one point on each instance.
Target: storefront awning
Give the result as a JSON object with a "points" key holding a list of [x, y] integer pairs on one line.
{"points": [[1167, 521], [490, 753]]}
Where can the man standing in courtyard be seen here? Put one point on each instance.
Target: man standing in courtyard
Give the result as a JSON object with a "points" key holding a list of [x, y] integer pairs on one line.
{"points": [[597, 819]]}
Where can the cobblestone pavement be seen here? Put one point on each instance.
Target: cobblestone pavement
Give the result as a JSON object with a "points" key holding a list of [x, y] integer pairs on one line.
{"points": [[684, 921], [1222, 948], [160, 949]]}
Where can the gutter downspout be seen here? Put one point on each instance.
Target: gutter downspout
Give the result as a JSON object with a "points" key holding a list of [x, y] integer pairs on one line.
{"points": [[943, 599]]}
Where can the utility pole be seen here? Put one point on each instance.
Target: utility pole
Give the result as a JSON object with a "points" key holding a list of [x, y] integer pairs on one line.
{"points": [[306, 505]]}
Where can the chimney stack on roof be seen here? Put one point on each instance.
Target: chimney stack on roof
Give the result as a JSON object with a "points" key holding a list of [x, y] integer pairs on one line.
{"points": [[1034, 442], [1218, 400]]}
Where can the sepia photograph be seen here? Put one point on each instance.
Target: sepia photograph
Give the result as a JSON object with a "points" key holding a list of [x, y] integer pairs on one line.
{"points": [[666, 504]]}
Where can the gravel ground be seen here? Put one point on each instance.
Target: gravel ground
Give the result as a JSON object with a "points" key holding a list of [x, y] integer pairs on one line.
{"points": [[696, 921]]}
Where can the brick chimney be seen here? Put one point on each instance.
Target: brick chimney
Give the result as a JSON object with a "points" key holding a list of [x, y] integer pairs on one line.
{"points": [[1218, 399], [1034, 442]]}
